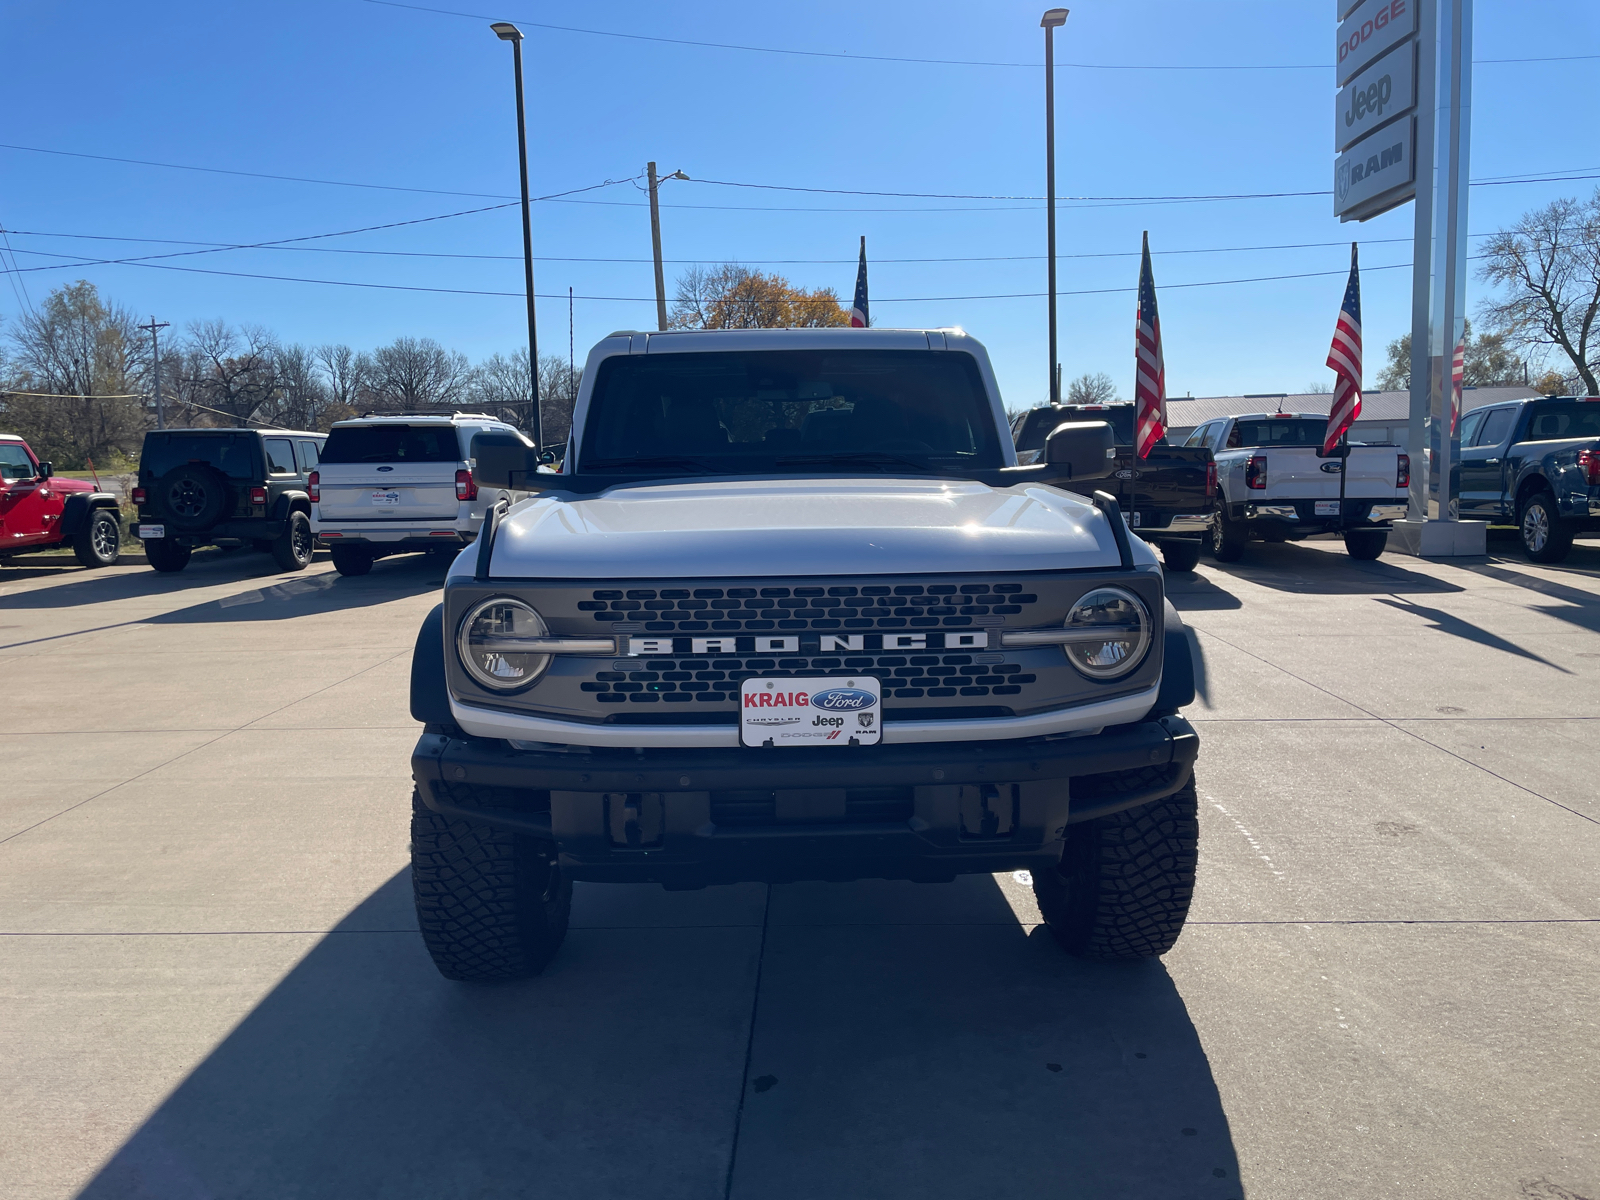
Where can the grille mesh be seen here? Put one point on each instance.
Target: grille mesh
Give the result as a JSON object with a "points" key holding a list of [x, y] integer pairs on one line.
{"points": [[716, 680], [821, 609]]}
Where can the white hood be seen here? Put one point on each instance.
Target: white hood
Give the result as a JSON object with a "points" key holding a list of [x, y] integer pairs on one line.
{"points": [[821, 527]]}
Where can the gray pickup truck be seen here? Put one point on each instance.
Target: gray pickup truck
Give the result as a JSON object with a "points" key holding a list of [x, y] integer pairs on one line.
{"points": [[791, 610], [1536, 463]]}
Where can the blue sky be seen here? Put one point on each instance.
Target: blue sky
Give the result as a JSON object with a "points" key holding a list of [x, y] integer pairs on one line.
{"points": [[354, 91]]}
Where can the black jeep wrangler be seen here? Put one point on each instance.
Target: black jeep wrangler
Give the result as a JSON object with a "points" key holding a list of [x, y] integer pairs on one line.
{"points": [[227, 488]]}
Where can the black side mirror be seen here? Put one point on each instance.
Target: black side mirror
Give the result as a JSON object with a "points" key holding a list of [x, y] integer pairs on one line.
{"points": [[46, 470], [503, 460], [547, 459], [1080, 450]]}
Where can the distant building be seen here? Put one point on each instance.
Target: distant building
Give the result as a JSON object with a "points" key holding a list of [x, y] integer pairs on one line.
{"points": [[1384, 415]]}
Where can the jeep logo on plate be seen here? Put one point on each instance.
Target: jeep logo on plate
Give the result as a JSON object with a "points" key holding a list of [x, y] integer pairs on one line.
{"points": [[842, 699]]}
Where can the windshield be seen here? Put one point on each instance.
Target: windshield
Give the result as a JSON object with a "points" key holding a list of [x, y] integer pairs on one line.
{"points": [[231, 453], [392, 443], [1552, 419], [1041, 423], [733, 412], [1278, 431]]}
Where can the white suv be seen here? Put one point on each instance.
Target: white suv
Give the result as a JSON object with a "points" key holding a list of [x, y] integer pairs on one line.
{"points": [[400, 482]]}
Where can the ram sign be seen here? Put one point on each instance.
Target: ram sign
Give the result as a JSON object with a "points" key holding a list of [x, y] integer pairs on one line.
{"points": [[1385, 90], [1376, 173]]}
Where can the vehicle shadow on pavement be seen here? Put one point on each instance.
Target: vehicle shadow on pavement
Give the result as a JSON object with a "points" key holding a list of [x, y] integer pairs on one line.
{"points": [[1305, 570], [280, 597], [946, 1050], [1190, 592], [1456, 627], [959, 1057]]}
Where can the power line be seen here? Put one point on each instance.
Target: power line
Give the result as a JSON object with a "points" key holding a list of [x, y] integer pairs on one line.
{"points": [[399, 287], [943, 62], [382, 187], [279, 245]]}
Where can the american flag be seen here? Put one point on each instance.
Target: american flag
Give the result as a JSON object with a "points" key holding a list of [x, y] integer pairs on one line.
{"points": [[1458, 371], [1345, 358], [1150, 383], [858, 309]]}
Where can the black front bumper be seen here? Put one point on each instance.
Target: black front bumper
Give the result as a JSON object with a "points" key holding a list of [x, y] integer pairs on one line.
{"points": [[686, 818]]}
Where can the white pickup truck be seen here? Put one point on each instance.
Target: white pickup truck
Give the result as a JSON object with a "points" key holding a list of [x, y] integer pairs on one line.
{"points": [[1274, 483], [792, 610]]}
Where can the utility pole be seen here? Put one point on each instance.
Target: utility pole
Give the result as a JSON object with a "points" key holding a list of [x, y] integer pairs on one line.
{"points": [[655, 244], [1052, 20], [155, 356], [508, 32]]}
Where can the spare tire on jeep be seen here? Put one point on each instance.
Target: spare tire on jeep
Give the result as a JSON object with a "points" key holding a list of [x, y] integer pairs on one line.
{"points": [[191, 496]]}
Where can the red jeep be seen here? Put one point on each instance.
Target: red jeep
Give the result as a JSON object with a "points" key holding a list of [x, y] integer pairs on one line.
{"points": [[39, 511]]}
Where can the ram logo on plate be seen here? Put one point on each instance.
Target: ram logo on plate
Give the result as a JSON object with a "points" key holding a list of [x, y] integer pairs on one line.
{"points": [[810, 712]]}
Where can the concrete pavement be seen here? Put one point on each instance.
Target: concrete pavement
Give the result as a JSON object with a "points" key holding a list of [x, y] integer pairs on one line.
{"points": [[211, 984]]}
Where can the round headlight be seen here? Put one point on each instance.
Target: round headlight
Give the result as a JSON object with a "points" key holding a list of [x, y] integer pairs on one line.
{"points": [[1113, 633], [488, 643]]}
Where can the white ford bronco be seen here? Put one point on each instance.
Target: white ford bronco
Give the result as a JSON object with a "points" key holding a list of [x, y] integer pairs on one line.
{"points": [[791, 610]]}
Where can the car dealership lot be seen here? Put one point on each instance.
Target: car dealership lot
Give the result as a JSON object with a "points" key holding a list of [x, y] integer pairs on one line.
{"points": [[211, 982]]}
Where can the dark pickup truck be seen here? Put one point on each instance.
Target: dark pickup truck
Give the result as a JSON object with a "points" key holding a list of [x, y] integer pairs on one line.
{"points": [[1168, 497], [1537, 463]]}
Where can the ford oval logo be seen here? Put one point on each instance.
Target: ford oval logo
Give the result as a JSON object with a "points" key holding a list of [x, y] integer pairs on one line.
{"points": [[1332, 468], [842, 699], [385, 468]]}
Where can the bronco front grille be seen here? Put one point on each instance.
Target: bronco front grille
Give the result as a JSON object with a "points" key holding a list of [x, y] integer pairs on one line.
{"points": [[778, 609], [716, 680]]}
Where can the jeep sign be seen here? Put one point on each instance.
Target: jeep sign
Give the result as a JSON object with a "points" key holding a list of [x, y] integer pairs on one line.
{"points": [[1384, 91], [1373, 28], [1379, 164]]}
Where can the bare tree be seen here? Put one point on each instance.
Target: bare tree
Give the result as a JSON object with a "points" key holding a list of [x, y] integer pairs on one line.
{"points": [[501, 386], [82, 356], [231, 372], [1549, 262], [343, 372], [301, 400], [1095, 388], [416, 373]]}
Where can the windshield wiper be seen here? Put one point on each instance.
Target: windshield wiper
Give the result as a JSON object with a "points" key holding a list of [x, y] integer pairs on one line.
{"points": [[862, 457], [658, 460]]}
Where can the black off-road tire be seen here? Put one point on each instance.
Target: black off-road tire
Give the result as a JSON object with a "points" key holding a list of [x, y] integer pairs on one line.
{"points": [[1227, 537], [1546, 538], [351, 560], [492, 906], [1123, 886], [1365, 544], [1180, 554], [294, 550], [99, 542], [190, 497], [165, 555]]}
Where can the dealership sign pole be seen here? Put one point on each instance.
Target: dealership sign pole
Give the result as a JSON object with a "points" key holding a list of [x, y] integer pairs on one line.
{"points": [[1402, 131]]}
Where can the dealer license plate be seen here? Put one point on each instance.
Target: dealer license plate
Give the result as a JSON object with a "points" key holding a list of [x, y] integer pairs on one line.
{"points": [[152, 532], [1136, 518], [385, 499], [1326, 508], [843, 710]]}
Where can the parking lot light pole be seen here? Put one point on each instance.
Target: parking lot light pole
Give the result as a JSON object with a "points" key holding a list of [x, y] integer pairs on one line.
{"points": [[1052, 19], [508, 32]]}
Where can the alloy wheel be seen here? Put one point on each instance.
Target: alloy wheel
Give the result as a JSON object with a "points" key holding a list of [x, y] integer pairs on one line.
{"points": [[107, 538], [1535, 527]]}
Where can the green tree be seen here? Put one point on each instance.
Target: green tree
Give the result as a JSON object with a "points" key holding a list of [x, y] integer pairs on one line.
{"points": [[735, 297], [1489, 361]]}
